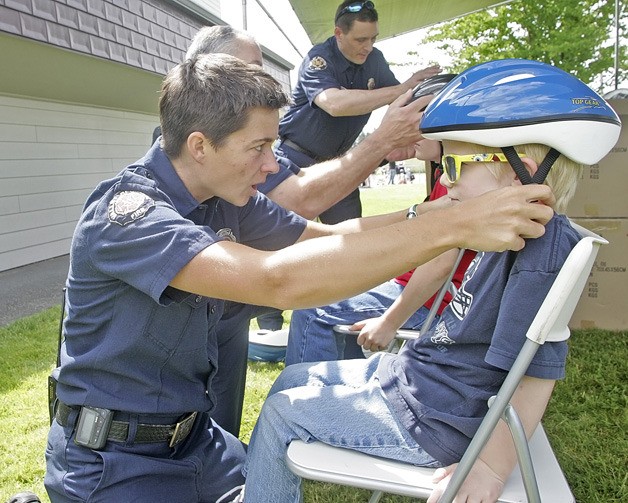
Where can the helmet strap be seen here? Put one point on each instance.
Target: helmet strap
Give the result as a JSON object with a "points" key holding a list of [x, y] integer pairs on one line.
{"points": [[521, 171], [517, 165], [544, 167]]}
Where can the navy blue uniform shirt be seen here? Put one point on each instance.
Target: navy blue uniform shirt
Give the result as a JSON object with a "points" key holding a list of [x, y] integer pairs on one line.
{"points": [[132, 342], [323, 68]]}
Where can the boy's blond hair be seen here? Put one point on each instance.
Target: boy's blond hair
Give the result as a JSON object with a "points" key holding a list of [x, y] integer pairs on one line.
{"points": [[562, 177]]}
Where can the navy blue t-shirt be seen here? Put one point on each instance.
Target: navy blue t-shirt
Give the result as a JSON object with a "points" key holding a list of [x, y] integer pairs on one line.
{"points": [[132, 342], [323, 68], [439, 384]]}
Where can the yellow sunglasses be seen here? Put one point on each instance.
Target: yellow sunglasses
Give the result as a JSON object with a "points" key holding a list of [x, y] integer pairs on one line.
{"points": [[452, 163]]}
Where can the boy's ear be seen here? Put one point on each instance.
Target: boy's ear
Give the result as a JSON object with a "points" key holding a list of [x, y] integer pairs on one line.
{"points": [[530, 165]]}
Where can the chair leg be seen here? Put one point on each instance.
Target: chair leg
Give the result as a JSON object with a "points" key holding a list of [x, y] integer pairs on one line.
{"points": [[376, 496], [523, 454]]}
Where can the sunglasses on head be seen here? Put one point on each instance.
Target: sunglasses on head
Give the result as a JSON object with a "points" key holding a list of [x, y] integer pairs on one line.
{"points": [[356, 7], [452, 163]]}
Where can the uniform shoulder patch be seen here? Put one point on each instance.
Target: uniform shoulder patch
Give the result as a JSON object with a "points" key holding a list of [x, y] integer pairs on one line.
{"points": [[128, 206], [317, 63]]}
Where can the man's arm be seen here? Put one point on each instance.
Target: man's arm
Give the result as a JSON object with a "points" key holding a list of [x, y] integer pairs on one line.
{"points": [[349, 102], [318, 187], [488, 475], [319, 271]]}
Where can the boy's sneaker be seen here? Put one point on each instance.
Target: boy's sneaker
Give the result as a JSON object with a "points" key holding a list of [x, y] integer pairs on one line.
{"points": [[25, 497], [268, 345], [235, 495]]}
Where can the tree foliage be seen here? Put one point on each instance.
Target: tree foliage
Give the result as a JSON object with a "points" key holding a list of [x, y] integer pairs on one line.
{"points": [[575, 35]]}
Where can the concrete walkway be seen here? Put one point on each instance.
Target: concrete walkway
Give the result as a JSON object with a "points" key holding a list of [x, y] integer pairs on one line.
{"points": [[31, 288]]}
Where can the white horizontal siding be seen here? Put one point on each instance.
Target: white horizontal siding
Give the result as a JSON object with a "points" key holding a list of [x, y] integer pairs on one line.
{"points": [[36, 253], [14, 168], [61, 199], [51, 157]]}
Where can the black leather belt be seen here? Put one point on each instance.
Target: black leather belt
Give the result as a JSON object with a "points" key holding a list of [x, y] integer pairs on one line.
{"points": [[298, 148], [146, 433]]}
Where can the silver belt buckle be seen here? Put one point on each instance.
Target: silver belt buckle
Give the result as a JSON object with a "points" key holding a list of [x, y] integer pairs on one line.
{"points": [[182, 430]]}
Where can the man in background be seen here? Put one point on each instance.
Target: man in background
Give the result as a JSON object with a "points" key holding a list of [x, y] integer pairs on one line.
{"points": [[340, 83]]}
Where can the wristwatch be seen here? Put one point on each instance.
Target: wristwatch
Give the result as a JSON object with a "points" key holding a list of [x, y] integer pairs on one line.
{"points": [[412, 211]]}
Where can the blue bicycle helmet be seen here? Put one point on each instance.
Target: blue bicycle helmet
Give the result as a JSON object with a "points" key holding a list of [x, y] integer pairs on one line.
{"points": [[516, 101], [432, 85]]}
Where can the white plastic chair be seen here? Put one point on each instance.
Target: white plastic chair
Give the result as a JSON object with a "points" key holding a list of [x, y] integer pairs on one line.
{"points": [[539, 477]]}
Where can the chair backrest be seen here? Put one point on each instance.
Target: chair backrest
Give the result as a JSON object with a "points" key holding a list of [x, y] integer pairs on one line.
{"points": [[550, 323]]}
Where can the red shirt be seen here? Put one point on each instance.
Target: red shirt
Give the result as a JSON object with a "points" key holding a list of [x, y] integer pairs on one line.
{"points": [[440, 190]]}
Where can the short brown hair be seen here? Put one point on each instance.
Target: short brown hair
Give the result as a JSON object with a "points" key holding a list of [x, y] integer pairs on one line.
{"points": [[346, 20], [213, 94]]}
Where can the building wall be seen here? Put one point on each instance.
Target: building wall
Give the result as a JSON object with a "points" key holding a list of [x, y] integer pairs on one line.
{"points": [[146, 34], [78, 102], [51, 156]]}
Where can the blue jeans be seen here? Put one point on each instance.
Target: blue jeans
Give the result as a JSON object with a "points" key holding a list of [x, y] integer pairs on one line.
{"points": [[340, 403], [312, 339]]}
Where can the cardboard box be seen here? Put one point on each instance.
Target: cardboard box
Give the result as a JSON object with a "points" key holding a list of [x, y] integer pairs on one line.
{"points": [[603, 303], [620, 106], [601, 191]]}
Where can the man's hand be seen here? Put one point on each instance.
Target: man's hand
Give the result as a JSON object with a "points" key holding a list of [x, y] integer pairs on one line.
{"points": [[423, 74], [399, 128], [501, 219], [436, 204], [401, 154], [482, 485]]}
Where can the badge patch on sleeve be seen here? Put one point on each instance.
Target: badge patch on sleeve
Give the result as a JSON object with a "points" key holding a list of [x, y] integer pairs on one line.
{"points": [[129, 206], [318, 63]]}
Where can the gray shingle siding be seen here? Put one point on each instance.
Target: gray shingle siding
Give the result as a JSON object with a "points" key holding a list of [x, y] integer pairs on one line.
{"points": [[151, 35]]}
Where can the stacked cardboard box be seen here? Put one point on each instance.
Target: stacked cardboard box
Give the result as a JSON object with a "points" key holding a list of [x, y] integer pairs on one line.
{"points": [[601, 205]]}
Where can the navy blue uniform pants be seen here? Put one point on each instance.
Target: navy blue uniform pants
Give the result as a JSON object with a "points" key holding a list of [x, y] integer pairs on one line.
{"points": [[229, 382], [206, 465]]}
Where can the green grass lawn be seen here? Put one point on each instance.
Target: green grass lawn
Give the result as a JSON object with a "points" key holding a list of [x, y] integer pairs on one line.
{"points": [[586, 419], [386, 198]]}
